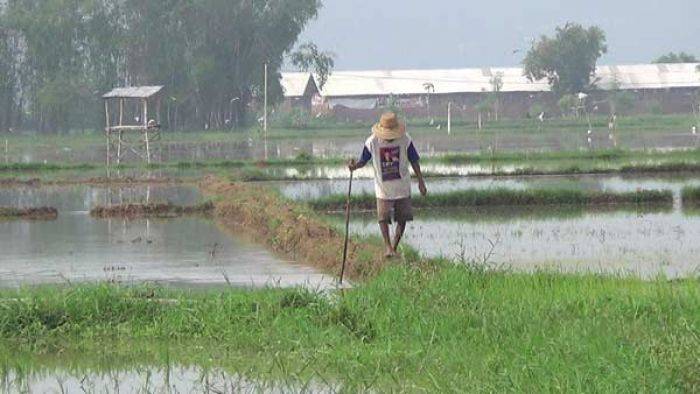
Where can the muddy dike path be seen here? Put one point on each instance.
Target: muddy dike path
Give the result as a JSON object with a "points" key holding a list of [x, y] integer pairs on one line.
{"points": [[291, 228], [40, 213]]}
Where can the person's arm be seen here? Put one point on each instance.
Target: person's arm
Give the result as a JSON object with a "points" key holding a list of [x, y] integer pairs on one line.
{"points": [[364, 158], [414, 159], [419, 175]]}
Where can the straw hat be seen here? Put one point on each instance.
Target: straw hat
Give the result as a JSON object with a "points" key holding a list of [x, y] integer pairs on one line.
{"points": [[389, 127]]}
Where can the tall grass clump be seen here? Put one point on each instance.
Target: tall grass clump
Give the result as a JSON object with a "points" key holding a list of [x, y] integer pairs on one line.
{"points": [[691, 196], [507, 197]]}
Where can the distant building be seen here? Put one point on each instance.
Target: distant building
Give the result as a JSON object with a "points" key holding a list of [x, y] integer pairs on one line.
{"points": [[666, 88], [300, 90]]}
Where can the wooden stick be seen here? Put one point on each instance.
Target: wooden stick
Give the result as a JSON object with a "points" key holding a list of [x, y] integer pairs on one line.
{"points": [[347, 230]]}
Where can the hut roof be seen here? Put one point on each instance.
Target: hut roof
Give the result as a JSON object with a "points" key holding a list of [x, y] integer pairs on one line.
{"points": [[297, 84], [133, 92]]}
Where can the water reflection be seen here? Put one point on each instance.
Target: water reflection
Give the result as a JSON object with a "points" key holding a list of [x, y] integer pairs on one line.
{"points": [[188, 251], [147, 379], [81, 198], [314, 189], [621, 242]]}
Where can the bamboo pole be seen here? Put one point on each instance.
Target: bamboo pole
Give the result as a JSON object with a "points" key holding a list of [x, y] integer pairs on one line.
{"points": [[145, 123], [449, 118], [109, 142], [265, 113]]}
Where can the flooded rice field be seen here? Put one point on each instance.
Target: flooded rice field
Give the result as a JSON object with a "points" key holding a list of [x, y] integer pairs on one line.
{"points": [[646, 243], [429, 143], [314, 189], [186, 251]]}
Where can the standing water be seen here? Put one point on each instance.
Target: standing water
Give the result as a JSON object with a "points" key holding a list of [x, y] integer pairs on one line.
{"points": [[187, 251]]}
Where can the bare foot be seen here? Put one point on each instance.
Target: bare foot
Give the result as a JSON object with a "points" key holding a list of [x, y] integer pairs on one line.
{"points": [[390, 253]]}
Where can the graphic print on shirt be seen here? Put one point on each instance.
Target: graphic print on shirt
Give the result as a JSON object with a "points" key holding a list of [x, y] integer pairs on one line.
{"points": [[390, 158]]}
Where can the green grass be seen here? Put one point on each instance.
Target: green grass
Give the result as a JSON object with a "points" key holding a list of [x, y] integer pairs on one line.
{"points": [[506, 197], [444, 328], [691, 195]]}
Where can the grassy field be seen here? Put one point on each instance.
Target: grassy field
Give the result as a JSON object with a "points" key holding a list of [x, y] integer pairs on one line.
{"points": [[437, 327], [629, 128], [304, 167], [691, 196], [506, 197]]}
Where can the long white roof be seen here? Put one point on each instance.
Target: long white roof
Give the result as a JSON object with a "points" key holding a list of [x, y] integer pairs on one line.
{"points": [[649, 76], [474, 80], [133, 92], [294, 83]]}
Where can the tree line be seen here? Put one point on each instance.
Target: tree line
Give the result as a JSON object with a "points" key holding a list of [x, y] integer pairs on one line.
{"points": [[58, 56]]}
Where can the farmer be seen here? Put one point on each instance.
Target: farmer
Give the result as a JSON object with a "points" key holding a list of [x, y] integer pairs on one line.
{"points": [[391, 150]]}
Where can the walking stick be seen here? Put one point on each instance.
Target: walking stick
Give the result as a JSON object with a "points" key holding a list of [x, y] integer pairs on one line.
{"points": [[347, 230]]}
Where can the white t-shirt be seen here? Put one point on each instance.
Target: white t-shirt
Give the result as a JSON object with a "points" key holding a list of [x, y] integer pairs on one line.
{"points": [[390, 160]]}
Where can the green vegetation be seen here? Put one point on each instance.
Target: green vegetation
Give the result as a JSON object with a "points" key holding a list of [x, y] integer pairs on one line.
{"points": [[42, 213], [506, 197], [438, 328], [672, 57], [53, 69], [567, 60], [691, 196], [508, 214]]}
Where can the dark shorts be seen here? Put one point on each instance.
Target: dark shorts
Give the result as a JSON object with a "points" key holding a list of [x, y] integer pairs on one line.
{"points": [[402, 209]]}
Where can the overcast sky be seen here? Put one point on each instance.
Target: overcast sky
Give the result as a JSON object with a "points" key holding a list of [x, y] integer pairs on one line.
{"points": [[379, 34]]}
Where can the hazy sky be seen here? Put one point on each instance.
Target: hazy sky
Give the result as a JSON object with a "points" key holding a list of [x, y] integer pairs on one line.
{"points": [[378, 34]]}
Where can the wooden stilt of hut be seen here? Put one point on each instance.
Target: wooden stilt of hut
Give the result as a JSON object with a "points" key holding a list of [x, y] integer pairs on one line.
{"points": [[129, 130]]}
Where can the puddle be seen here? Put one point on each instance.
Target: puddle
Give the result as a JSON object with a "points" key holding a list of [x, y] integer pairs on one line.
{"points": [[175, 379], [642, 244], [188, 251]]}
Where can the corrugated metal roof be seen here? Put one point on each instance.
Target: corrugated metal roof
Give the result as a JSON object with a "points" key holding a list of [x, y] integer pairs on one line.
{"points": [[133, 92], [474, 80], [649, 76], [294, 83]]}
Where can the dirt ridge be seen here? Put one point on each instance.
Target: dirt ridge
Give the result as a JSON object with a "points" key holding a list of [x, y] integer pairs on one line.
{"points": [[291, 228]]}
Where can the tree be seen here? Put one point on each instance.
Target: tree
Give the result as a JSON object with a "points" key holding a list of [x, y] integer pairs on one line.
{"points": [[568, 104], [308, 57], [568, 60], [672, 57], [58, 56], [620, 101], [496, 86]]}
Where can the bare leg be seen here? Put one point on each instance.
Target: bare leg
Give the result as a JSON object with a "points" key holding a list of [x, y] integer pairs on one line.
{"points": [[400, 228], [387, 239]]}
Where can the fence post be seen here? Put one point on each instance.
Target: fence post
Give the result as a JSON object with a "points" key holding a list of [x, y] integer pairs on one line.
{"points": [[449, 118]]}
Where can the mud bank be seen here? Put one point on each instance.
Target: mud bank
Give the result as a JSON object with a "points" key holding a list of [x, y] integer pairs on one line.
{"points": [[291, 228], [41, 213], [151, 210]]}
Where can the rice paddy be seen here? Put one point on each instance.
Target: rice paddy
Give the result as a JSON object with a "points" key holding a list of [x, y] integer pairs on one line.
{"points": [[528, 270]]}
